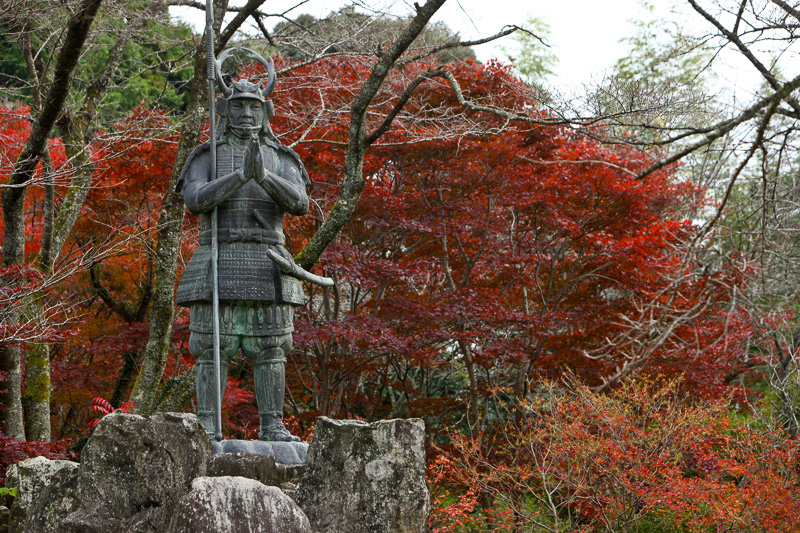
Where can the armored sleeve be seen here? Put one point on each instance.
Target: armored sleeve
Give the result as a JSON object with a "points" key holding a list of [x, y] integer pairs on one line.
{"points": [[200, 192], [287, 189]]}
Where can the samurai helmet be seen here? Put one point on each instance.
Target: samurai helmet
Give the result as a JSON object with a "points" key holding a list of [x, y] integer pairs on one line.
{"points": [[246, 89]]}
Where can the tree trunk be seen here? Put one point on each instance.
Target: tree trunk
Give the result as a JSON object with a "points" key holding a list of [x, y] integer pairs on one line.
{"points": [[36, 399], [11, 391], [170, 223], [13, 200], [178, 391], [473, 407], [162, 313], [125, 378]]}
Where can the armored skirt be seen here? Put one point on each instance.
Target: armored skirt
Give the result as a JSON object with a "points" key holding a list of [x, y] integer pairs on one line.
{"points": [[255, 297]]}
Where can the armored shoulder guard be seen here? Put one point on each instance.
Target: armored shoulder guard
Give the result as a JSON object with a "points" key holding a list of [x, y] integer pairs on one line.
{"points": [[205, 147]]}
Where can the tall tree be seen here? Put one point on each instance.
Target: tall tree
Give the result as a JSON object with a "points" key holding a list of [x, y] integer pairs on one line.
{"points": [[79, 23], [71, 103]]}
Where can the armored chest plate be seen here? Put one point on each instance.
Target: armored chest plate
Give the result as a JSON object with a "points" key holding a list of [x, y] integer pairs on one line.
{"points": [[249, 222]]}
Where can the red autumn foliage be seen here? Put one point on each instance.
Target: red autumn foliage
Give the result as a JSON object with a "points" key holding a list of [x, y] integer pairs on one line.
{"points": [[479, 260], [483, 256], [13, 451], [637, 458], [103, 407]]}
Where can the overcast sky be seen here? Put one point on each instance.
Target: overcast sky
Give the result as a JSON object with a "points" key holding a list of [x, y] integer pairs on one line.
{"points": [[585, 33]]}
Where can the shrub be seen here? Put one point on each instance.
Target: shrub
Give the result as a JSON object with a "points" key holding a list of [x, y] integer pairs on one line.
{"points": [[636, 459]]}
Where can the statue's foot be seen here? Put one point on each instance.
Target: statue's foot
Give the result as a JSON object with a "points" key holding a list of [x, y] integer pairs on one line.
{"points": [[283, 436], [273, 430], [207, 421]]}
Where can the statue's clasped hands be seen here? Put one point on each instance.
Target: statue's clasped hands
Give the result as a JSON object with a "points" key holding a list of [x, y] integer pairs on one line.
{"points": [[253, 167], [279, 188]]}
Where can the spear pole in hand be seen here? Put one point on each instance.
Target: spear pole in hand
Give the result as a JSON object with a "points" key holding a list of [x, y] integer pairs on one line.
{"points": [[212, 78]]}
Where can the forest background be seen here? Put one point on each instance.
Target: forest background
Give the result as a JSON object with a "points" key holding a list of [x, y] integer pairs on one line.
{"points": [[590, 299]]}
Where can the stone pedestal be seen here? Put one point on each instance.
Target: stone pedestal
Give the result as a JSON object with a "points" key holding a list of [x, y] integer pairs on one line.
{"points": [[288, 453], [158, 475]]}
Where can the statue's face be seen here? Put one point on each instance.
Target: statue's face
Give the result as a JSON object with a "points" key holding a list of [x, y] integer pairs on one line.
{"points": [[245, 113]]}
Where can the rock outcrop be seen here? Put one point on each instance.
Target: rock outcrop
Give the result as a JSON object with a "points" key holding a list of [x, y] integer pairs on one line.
{"points": [[58, 499], [30, 477], [157, 475], [237, 505], [134, 470], [366, 478]]}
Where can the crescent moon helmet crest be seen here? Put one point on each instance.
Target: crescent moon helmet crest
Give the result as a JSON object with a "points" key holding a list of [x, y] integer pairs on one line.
{"points": [[246, 89]]}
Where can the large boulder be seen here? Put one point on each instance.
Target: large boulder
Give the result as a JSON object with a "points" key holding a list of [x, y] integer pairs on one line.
{"points": [[237, 505], [58, 499], [30, 477], [366, 478], [134, 470]]}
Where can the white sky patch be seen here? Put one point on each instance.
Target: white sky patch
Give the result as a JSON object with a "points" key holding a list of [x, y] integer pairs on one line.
{"points": [[585, 34]]}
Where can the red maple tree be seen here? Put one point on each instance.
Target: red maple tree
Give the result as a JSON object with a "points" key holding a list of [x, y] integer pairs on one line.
{"points": [[484, 253]]}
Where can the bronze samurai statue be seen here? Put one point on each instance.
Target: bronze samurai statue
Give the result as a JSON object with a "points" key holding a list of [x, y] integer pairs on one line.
{"points": [[257, 180]]}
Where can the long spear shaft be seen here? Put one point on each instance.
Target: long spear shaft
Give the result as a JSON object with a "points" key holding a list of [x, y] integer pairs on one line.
{"points": [[212, 78]]}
